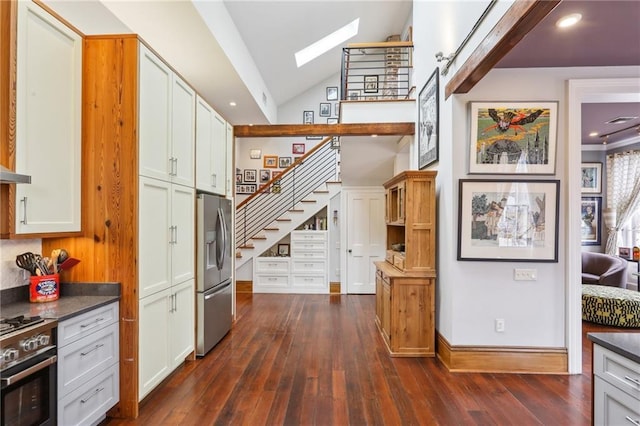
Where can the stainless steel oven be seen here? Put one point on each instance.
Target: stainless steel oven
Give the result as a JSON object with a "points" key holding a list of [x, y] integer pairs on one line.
{"points": [[28, 372]]}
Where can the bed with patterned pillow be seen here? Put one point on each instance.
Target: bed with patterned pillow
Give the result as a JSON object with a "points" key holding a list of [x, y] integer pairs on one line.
{"points": [[611, 306]]}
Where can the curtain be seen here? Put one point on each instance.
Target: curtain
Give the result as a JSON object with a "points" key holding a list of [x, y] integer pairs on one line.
{"points": [[623, 191]]}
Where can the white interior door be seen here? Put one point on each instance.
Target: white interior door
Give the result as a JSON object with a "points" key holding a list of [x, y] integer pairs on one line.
{"points": [[365, 238]]}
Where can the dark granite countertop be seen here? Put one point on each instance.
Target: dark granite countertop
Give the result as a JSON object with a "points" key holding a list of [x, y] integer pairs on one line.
{"points": [[75, 299], [625, 344]]}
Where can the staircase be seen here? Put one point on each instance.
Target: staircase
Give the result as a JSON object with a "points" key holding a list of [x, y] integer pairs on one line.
{"points": [[284, 203]]}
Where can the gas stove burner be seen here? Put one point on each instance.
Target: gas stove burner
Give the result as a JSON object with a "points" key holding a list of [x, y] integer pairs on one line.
{"points": [[9, 325]]}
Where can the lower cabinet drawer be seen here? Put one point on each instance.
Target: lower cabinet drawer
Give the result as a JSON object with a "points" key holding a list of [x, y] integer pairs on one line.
{"points": [[84, 358], [274, 281], [86, 324], [611, 406], [309, 283], [308, 266], [617, 370], [90, 402], [272, 265]]}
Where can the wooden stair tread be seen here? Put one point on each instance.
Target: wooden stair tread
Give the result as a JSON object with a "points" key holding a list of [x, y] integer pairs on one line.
{"points": [[259, 237], [333, 181], [248, 247], [308, 201], [296, 211], [321, 192], [271, 229], [283, 220]]}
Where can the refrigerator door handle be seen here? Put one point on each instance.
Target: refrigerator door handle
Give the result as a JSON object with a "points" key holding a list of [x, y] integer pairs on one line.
{"points": [[220, 232], [225, 237]]}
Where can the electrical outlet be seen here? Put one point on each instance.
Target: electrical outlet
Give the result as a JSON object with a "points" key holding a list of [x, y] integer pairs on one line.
{"points": [[525, 274], [500, 325]]}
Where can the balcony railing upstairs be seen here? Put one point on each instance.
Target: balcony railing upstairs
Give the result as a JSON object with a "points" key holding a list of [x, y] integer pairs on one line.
{"points": [[377, 71], [282, 193]]}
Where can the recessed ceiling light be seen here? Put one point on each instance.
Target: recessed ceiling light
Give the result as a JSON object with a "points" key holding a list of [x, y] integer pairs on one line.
{"points": [[232, 103], [593, 134], [327, 43], [374, 136], [568, 20]]}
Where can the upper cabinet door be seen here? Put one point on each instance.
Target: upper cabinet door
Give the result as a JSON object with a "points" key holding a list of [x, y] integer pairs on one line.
{"points": [[48, 123], [154, 112], [183, 119], [204, 145], [219, 158], [211, 149]]}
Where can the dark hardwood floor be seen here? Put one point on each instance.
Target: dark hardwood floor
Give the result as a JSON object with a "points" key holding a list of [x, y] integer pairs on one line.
{"points": [[318, 360]]}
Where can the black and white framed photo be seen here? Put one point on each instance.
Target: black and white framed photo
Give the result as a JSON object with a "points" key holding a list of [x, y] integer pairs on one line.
{"points": [[249, 175], [336, 109], [325, 109], [370, 84], [513, 137], [353, 95], [591, 178], [332, 93], [284, 162], [238, 178], [508, 220], [591, 222], [265, 175], [307, 117], [428, 122], [246, 189]]}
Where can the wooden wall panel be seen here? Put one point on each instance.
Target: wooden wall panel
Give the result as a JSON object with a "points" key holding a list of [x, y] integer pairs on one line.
{"points": [[109, 247]]}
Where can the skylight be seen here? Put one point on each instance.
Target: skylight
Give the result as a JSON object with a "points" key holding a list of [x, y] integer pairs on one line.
{"points": [[327, 43]]}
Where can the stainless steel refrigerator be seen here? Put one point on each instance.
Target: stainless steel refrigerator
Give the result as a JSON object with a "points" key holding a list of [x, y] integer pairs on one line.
{"points": [[213, 273]]}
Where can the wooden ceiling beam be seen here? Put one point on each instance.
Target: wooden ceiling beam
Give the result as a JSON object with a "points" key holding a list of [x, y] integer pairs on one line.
{"points": [[516, 23], [351, 129]]}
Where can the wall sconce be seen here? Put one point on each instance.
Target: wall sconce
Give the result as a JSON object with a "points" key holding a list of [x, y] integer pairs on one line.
{"points": [[335, 217]]}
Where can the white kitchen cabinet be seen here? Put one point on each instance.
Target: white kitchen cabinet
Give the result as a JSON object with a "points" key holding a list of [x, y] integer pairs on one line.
{"points": [[182, 333], [211, 149], [166, 122], [304, 272], [166, 333], [616, 388], [88, 366], [153, 342], [309, 262], [166, 235], [48, 123]]}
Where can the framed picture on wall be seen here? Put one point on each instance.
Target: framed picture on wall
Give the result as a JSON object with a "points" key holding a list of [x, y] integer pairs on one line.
{"points": [[370, 84], [284, 162], [270, 161], [508, 220], [325, 109], [307, 117], [332, 93], [591, 178], [297, 148], [428, 122], [265, 175], [591, 222], [250, 175], [513, 137]]}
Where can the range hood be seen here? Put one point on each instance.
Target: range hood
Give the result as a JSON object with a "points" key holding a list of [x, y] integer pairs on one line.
{"points": [[7, 176]]}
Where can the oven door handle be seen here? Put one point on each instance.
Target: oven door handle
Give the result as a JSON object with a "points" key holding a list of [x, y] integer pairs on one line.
{"points": [[7, 381]]}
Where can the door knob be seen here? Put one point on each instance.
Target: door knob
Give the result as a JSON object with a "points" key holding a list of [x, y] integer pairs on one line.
{"points": [[349, 251]]}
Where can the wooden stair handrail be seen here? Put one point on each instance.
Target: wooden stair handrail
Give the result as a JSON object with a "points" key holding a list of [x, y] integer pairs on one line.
{"points": [[381, 44], [294, 164]]}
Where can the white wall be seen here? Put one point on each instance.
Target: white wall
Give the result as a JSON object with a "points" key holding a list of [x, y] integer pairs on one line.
{"points": [[10, 275], [471, 295]]}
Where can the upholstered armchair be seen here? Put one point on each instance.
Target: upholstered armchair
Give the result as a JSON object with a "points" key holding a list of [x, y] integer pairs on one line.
{"points": [[603, 269]]}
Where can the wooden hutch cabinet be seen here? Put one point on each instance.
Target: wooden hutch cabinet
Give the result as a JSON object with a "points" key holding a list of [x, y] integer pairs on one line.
{"points": [[405, 281]]}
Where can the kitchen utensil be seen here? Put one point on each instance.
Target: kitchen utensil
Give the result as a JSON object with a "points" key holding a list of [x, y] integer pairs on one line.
{"points": [[70, 262], [42, 265], [62, 256], [55, 254], [27, 261]]}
